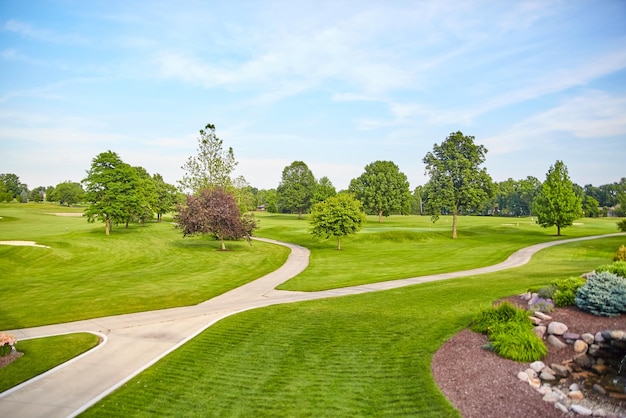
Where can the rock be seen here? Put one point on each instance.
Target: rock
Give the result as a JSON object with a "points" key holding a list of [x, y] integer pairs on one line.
{"points": [[588, 338], [555, 342], [526, 296], [546, 375], [598, 337], [540, 331], [534, 382], [542, 316], [537, 366], [581, 410], [580, 346], [557, 328], [545, 389], [599, 368], [574, 386], [593, 350], [599, 389], [560, 370], [599, 413], [561, 407], [522, 376], [583, 360], [618, 335], [535, 320], [571, 336], [551, 397], [531, 373], [576, 395]]}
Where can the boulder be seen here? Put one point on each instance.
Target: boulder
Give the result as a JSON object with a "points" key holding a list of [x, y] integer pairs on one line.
{"points": [[537, 366], [557, 328], [542, 316], [540, 331], [588, 338], [560, 370], [575, 395], [581, 410], [580, 346], [555, 342]]}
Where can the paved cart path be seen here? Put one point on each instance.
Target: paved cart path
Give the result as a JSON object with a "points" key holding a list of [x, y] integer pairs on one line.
{"points": [[133, 342]]}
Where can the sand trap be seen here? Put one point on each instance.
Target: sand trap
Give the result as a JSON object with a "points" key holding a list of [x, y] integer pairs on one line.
{"points": [[77, 214], [23, 244]]}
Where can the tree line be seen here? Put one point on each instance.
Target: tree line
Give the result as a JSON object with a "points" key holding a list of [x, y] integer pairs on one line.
{"points": [[116, 192]]}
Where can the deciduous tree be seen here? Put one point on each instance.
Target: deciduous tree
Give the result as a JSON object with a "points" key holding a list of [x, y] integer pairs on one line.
{"points": [[296, 188], [68, 193], [110, 187], [214, 211], [212, 166], [557, 204], [382, 189], [336, 217], [166, 196], [457, 182], [323, 190]]}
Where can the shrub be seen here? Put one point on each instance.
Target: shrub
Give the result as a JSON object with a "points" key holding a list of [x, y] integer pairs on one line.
{"points": [[547, 292], [621, 225], [566, 289], [604, 294], [517, 342], [7, 342], [542, 305], [620, 255], [500, 314], [618, 268]]}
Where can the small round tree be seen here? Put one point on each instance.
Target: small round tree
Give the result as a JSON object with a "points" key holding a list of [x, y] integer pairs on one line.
{"points": [[338, 216]]}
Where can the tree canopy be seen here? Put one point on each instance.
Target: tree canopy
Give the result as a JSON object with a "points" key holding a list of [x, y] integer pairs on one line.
{"points": [[382, 189], [68, 193], [212, 166], [557, 204], [457, 183], [337, 216], [296, 188], [214, 211], [110, 189]]}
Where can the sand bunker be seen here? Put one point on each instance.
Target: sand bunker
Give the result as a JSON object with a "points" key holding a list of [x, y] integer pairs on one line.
{"points": [[77, 214], [23, 244]]}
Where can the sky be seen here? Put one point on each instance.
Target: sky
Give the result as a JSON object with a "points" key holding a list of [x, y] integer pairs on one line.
{"points": [[336, 84]]}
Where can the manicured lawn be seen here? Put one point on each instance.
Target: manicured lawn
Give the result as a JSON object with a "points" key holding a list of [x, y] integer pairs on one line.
{"points": [[43, 354], [86, 274], [361, 355], [410, 246]]}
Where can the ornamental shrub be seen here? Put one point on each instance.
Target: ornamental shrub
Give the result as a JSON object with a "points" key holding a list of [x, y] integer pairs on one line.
{"points": [[620, 255], [542, 305], [500, 314], [617, 267], [566, 289], [547, 292], [517, 342], [621, 225], [604, 294]]}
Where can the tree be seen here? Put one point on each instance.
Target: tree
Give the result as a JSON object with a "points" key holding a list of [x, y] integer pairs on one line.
{"points": [[12, 183], [5, 194], [382, 189], [110, 188], [212, 166], [296, 188], [591, 207], [557, 204], [146, 197], [214, 211], [457, 183], [37, 194], [68, 193], [337, 216], [166, 196], [323, 189]]}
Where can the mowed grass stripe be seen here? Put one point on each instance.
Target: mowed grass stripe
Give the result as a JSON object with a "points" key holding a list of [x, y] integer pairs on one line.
{"points": [[361, 355]]}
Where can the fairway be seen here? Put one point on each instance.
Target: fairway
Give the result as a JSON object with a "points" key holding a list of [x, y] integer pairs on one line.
{"points": [[85, 274]]}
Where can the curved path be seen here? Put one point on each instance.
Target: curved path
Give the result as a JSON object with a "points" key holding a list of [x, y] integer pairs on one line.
{"points": [[133, 342]]}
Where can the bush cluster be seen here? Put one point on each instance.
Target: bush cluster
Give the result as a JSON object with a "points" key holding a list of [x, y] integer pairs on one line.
{"points": [[510, 332], [621, 225], [620, 255], [618, 268], [565, 293], [604, 294]]}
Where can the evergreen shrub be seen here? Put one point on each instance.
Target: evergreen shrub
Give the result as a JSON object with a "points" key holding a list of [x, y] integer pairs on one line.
{"points": [[617, 267], [604, 294]]}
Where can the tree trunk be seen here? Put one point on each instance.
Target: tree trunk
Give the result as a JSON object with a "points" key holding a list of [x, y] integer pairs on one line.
{"points": [[107, 226], [223, 246], [558, 230], [454, 225], [299, 214], [126, 223], [339, 243], [380, 216]]}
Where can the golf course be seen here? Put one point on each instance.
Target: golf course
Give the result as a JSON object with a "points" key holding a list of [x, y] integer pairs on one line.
{"points": [[363, 354]]}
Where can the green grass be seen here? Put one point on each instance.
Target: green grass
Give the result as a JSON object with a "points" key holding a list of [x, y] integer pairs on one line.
{"points": [[410, 246], [86, 274], [42, 354], [363, 355]]}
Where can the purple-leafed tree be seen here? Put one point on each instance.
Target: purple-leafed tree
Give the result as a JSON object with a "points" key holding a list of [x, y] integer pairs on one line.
{"points": [[214, 211]]}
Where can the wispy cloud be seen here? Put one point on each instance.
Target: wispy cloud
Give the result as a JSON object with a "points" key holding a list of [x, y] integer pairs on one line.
{"points": [[45, 35]]}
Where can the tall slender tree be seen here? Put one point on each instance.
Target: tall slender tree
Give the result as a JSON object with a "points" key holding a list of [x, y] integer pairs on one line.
{"points": [[557, 203], [296, 188], [457, 182]]}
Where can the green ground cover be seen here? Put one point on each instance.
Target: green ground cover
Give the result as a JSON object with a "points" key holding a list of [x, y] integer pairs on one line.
{"points": [[410, 246], [43, 354], [86, 274], [362, 355]]}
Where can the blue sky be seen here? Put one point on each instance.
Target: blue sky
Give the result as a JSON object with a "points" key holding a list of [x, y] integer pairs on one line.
{"points": [[336, 84]]}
